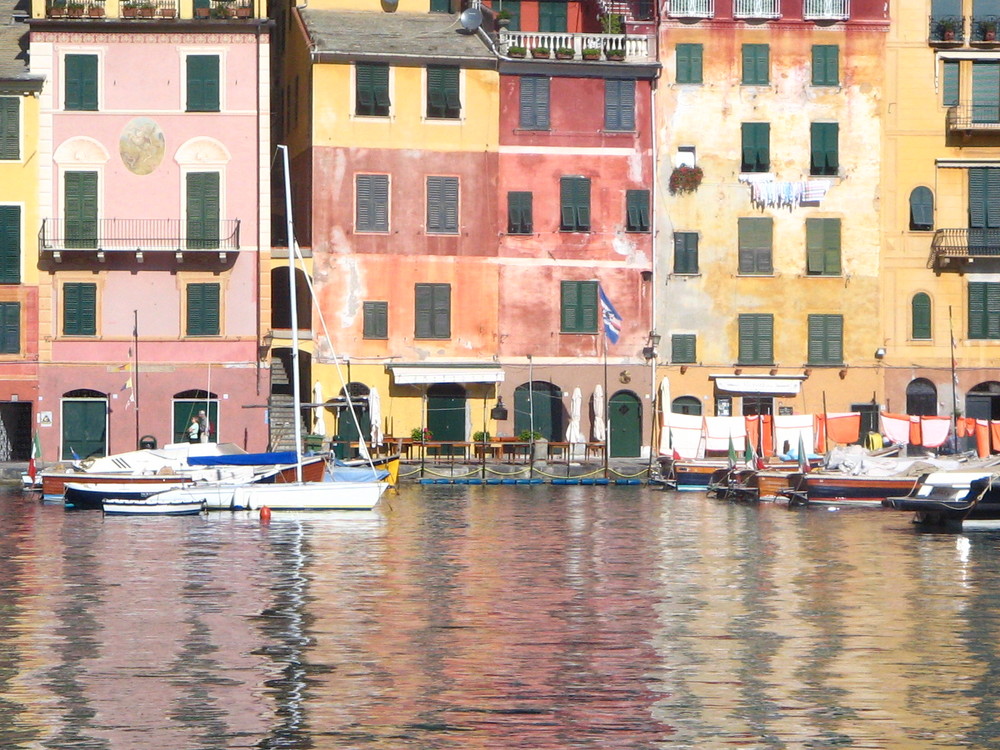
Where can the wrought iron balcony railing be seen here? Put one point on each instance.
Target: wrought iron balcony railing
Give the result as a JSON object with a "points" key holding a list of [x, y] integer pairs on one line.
{"points": [[946, 30], [983, 29], [974, 117], [691, 8], [137, 236], [756, 8], [826, 10], [959, 247]]}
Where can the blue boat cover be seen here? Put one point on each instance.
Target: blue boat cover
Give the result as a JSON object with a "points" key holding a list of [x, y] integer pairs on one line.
{"points": [[244, 459], [355, 474]]}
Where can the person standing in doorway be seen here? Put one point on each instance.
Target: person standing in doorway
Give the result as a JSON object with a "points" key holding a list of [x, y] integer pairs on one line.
{"points": [[205, 428], [194, 431]]}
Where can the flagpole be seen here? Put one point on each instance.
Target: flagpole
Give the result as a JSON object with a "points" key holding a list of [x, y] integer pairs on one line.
{"points": [[607, 415], [135, 370]]}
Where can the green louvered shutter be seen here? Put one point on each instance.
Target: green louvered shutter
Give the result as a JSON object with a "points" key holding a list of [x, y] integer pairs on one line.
{"points": [[80, 309], [519, 218], [689, 63], [826, 339], [81, 82], [920, 316], [921, 208], [442, 205], [10, 327], [202, 83], [202, 310], [755, 242], [10, 128], [552, 16], [685, 252], [984, 310], [443, 92], [986, 92], [432, 311], [825, 158], [683, 348], [80, 209], [756, 64], [756, 333], [574, 195], [376, 320], [371, 89], [950, 82], [534, 103], [579, 306], [756, 147], [372, 202], [637, 210], [823, 246], [203, 210], [825, 65], [10, 244], [619, 104]]}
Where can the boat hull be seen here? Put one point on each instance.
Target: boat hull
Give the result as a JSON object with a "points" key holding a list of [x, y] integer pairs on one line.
{"points": [[151, 506], [309, 496], [847, 490]]}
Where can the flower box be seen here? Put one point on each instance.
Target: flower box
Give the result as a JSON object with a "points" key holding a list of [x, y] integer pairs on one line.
{"points": [[685, 179]]}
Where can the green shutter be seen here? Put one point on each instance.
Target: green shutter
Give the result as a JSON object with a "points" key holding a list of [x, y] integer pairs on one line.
{"points": [[202, 83], [442, 205], [80, 209], [637, 210], [921, 316], [10, 244], [372, 200], [984, 310], [683, 348], [81, 82], [442, 311], [443, 92], [203, 210], [203, 309], [371, 89], [825, 159], [756, 147], [10, 128], [552, 16], [574, 195], [686, 252], [826, 335], [432, 311], [534, 103], [376, 320], [823, 246], [578, 306], [756, 333], [921, 208], [80, 309], [10, 327], [619, 104], [825, 65], [950, 84], [519, 219], [689, 63], [985, 91], [755, 242], [756, 64]]}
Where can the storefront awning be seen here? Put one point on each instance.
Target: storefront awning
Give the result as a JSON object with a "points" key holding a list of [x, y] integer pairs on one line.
{"points": [[776, 385], [458, 373]]}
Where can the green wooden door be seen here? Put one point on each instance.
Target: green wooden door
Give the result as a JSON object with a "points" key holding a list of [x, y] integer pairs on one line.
{"points": [[539, 404], [203, 210], [80, 209], [347, 430], [84, 428], [185, 409], [446, 414], [625, 436]]}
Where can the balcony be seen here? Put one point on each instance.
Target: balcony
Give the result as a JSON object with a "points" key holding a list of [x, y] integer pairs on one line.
{"points": [[75, 9], [757, 9], [946, 31], [957, 249], [626, 47], [691, 8], [826, 10], [137, 237], [974, 118], [149, 9], [984, 30], [223, 9]]}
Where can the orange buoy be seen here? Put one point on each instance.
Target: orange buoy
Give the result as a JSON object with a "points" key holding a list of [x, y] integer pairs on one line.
{"points": [[265, 513]]}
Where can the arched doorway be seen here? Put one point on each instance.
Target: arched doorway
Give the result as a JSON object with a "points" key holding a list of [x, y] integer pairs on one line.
{"points": [[983, 401], [686, 405], [189, 404], [539, 405], [625, 415], [84, 424], [921, 398], [281, 309], [347, 430], [446, 417]]}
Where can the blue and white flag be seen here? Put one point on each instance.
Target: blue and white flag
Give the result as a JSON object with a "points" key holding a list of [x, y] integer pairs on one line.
{"points": [[612, 320]]}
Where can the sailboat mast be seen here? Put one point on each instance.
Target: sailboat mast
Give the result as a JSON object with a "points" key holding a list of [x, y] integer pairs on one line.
{"points": [[296, 395], [135, 370]]}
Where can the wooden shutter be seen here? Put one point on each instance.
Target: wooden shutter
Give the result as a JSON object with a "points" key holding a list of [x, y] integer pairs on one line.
{"points": [[753, 330], [534, 103], [372, 198], [826, 339], [376, 320], [755, 238], [950, 83], [552, 16], [79, 309], [683, 348], [380, 87], [80, 209], [579, 306], [203, 310], [582, 200], [992, 310], [685, 252], [203, 83], [436, 105], [977, 197], [619, 104], [363, 200], [10, 244], [364, 89], [920, 316], [825, 65], [824, 140], [575, 203], [10, 128], [588, 315], [637, 210], [756, 146], [519, 220], [749, 63], [689, 63], [203, 210], [823, 246], [423, 304], [756, 64], [10, 327], [81, 82], [985, 91], [921, 208], [442, 311], [442, 205]]}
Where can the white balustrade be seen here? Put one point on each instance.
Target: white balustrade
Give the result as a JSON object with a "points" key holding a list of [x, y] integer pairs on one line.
{"points": [[834, 10], [635, 48], [691, 8], [756, 8]]}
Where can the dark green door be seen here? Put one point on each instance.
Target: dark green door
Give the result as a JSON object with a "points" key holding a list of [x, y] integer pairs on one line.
{"points": [[347, 430], [80, 209], [625, 414], [446, 414], [84, 428], [203, 210], [185, 409], [539, 404]]}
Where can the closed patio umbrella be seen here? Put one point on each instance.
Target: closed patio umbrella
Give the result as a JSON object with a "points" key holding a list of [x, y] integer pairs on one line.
{"points": [[573, 433], [599, 431], [375, 415]]}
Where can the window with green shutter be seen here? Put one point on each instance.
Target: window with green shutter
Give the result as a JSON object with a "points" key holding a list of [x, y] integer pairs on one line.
{"points": [[10, 244], [921, 208], [442, 205], [203, 210], [574, 203], [443, 100], [80, 209], [519, 218], [534, 103], [984, 210], [372, 203], [202, 83], [636, 210], [578, 306], [513, 7], [985, 91], [686, 252], [79, 309], [689, 63], [552, 16], [371, 89], [10, 327], [683, 349], [755, 242], [950, 83], [826, 339], [756, 147], [433, 311], [80, 92], [825, 65], [756, 64], [10, 128], [824, 138], [756, 339], [376, 320], [823, 247], [920, 316], [984, 310], [202, 310], [619, 104]]}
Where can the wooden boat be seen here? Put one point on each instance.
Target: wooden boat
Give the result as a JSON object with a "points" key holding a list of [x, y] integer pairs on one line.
{"points": [[835, 488], [953, 500], [686, 475], [154, 505], [91, 495]]}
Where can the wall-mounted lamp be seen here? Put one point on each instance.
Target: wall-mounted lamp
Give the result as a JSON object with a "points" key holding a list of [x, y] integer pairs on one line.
{"points": [[265, 344], [654, 338], [880, 353], [648, 353], [499, 412]]}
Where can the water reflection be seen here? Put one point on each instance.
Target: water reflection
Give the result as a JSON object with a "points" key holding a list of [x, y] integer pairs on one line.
{"points": [[497, 617]]}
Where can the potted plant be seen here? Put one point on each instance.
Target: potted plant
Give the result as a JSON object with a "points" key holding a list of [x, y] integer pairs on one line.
{"points": [[243, 10], [948, 28], [168, 11], [147, 9], [540, 52], [988, 30], [516, 51], [591, 53], [419, 435], [57, 9], [503, 19], [74, 9], [95, 10], [565, 53], [685, 179], [616, 55]]}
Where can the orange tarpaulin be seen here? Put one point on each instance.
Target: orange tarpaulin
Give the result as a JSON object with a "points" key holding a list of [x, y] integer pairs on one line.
{"points": [[916, 436], [982, 438], [844, 428], [995, 436]]}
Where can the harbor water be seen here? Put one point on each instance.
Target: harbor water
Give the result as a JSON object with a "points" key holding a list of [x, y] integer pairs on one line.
{"points": [[501, 617]]}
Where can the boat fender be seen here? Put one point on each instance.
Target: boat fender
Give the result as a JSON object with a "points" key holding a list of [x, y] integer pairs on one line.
{"points": [[265, 513]]}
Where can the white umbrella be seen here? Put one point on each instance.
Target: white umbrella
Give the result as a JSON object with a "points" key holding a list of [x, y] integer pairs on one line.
{"points": [[573, 433], [375, 415], [319, 423], [665, 417], [599, 414]]}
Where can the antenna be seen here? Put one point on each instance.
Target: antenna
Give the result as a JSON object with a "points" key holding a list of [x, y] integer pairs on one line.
{"points": [[471, 19]]}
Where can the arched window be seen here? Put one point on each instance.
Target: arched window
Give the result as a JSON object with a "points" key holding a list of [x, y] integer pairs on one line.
{"points": [[921, 209], [686, 405], [983, 401], [921, 398], [920, 317]]}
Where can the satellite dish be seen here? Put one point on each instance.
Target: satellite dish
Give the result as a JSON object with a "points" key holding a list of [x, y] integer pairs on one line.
{"points": [[471, 19]]}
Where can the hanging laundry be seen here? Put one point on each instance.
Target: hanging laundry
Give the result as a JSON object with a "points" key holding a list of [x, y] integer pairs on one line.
{"points": [[844, 427], [896, 427], [935, 431], [720, 430], [687, 435]]}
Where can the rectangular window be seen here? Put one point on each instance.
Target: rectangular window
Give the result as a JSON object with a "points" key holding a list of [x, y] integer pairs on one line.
{"points": [[686, 252], [534, 112], [950, 82], [443, 101], [578, 306], [202, 83], [372, 203], [81, 82], [371, 89], [756, 64], [826, 339], [79, 309], [80, 209], [984, 210], [619, 104], [440, 6], [10, 128], [519, 212], [825, 157], [10, 327], [433, 311], [985, 91], [636, 210], [574, 203], [756, 147], [823, 247], [552, 16], [689, 63], [202, 310], [756, 334], [755, 240], [825, 65], [683, 349], [203, 210], [442, 205], [10, 244], [984, 310], [376, 320]]}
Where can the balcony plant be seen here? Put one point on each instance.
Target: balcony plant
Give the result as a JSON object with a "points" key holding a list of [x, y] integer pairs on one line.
{"points": [[948, 28], [57, 8], [685, 179], [418, 435], [95, 10], [988, 30], [565, 53], [516, 51], [591, 53], [611, 23], [503, 19], [75, 9], [614, 54], [540, 52], [147, 9]]}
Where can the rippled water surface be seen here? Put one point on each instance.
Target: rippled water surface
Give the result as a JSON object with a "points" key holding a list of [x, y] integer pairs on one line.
{"points": [[497, 617]]}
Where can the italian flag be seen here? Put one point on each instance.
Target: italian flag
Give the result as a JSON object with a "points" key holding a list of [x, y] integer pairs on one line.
{"points": [[36, 452]]}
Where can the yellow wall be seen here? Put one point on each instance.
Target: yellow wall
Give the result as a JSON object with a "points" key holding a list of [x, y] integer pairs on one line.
{"points": [[19, 184]]}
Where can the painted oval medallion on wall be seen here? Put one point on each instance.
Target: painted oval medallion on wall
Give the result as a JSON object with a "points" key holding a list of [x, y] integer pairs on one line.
{"points": [[141, 145]]}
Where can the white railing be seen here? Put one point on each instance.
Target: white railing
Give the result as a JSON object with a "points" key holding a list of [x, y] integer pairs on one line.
{"points": [[756, 8], [819, 10], [635, 48], [691, 8]]}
